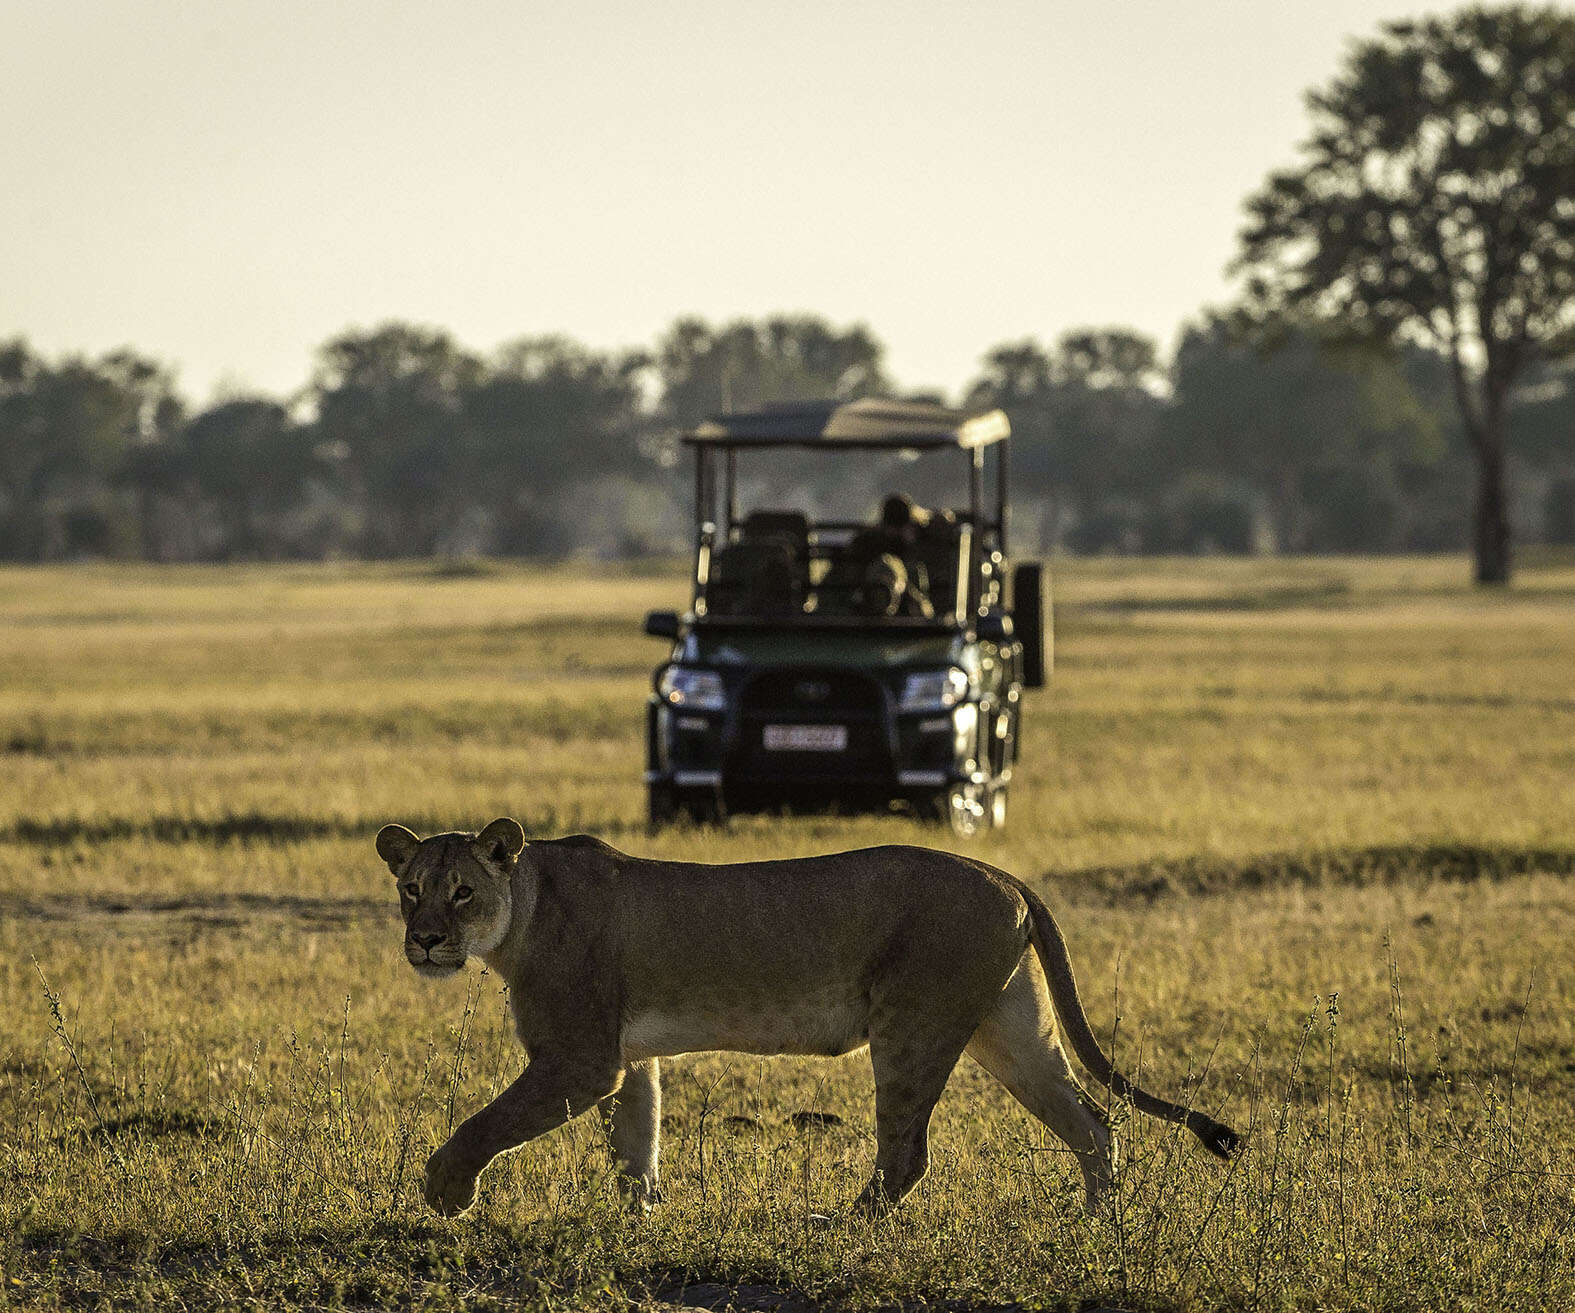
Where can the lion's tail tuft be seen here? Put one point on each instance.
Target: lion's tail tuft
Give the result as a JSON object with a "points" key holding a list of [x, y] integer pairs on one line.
{"points": [[1050, 944], [1217, 1138]]}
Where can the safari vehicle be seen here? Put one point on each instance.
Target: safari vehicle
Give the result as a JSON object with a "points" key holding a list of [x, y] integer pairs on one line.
{"points": [[839, 663]]}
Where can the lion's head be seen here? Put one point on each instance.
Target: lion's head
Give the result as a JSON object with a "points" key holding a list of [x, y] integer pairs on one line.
{"points": [[454, 891]]}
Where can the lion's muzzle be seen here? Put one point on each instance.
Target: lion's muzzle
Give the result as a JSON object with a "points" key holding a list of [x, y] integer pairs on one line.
{"points": [[432, 953]]}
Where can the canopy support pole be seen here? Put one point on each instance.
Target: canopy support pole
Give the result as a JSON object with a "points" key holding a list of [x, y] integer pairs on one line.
{"points": [[702, 458], [730, 467], [1000, 495], [975, 489]]}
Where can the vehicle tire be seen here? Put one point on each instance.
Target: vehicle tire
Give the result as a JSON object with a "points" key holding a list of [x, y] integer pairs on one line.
{"points": [[964, 809], [705, 807], [661, 805], [996, 807], [1030, 622], [1003, 746]]}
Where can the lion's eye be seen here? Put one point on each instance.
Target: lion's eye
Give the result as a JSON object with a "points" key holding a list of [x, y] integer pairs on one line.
{"points": [[412, 890], [463, 893]]}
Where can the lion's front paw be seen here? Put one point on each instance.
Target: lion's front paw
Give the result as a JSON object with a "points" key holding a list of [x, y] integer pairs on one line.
{"points": [[642, 1194], [451, 1184]]}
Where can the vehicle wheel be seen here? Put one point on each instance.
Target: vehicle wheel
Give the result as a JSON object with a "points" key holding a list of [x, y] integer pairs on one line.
{"points": [[661, 805], [705, 807], [997, 807], [965, 809]]}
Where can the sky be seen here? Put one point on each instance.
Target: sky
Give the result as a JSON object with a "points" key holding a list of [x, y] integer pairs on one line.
{"points": [[225, 185]]}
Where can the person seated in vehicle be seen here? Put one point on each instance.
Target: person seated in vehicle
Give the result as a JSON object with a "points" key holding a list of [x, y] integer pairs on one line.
{"points": [[754, 579], [788, 529], [932, 548], [885, 573], [764, 570], [886, 588]]}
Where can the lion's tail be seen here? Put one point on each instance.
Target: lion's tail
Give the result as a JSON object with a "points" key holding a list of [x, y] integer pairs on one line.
{"points": [[1050, 944]]}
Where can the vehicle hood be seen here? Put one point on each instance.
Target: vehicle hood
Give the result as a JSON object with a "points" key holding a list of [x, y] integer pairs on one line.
{"points": [[860, 650]]}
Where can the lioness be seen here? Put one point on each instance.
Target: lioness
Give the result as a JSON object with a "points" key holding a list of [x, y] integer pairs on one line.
{"points": [[614, 962]]}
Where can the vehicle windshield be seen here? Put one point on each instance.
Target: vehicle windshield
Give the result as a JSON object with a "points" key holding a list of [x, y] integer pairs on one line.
{"points": [[842, 487]]}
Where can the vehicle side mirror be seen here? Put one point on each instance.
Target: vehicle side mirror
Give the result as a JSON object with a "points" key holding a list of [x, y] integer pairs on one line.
{"points": [[662, 624], [994, 627]]}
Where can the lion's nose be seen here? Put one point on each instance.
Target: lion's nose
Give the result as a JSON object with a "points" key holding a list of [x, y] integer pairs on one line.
{"points": [[428, 942]]}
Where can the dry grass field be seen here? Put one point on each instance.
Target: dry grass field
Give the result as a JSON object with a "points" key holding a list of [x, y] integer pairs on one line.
{"points": [[1310, 827]]}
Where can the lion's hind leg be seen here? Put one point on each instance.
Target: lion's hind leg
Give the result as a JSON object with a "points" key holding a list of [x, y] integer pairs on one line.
{"points": [[921, 1017], [911, 1071], [633, 1117], [1017, 1043]]}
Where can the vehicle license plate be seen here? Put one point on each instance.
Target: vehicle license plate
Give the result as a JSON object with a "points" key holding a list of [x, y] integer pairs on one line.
{"points": [[806, 738]]}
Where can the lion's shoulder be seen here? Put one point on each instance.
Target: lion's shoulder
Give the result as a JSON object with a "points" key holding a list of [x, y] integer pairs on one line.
{"points": [[578, 843]]}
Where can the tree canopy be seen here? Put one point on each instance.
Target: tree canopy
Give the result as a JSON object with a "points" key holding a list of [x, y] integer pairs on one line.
{"points": [[1435, 202]]}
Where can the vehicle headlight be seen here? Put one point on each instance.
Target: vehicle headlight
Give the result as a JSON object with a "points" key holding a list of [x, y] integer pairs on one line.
{"points": [[700, 689], [933, 690]]}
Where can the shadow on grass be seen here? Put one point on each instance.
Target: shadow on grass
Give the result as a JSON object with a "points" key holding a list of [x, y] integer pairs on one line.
{"points": [[404, 1262], [1381, 864], [258, 827], [154, 1124], [63, 831], [384, 1262], [1273, 597], [1422, 698], [212, 909], [1198, 875]]}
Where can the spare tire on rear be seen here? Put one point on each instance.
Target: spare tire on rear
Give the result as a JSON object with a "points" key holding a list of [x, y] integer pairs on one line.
{"points": [[1031, 622]]}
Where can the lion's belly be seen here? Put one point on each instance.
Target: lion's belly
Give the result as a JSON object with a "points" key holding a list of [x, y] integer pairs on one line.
{"points": [[826, 1026]]}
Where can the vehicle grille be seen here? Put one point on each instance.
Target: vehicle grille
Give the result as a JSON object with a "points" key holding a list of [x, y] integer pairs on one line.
{"points": [[811, 691], [812, 697]]}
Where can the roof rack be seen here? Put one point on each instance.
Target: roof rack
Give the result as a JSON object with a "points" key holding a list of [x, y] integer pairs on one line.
{"points": [[869, 422]]}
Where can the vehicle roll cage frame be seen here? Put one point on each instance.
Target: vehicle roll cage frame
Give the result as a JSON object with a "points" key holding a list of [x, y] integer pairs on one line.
{"points": [[969, 433]]}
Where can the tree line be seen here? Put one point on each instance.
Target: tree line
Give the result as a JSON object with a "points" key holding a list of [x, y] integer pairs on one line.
{"points": [[407, 443], [1393, 376]]}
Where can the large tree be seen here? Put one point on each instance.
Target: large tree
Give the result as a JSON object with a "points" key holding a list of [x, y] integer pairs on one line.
{"points": [[1435, 201]]}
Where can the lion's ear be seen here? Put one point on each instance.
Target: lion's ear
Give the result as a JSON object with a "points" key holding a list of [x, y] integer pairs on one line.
{"points": [[502, 841], [395, 844]]}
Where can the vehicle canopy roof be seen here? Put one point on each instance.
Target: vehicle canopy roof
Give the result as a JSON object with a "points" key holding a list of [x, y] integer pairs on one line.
{"points": [[869, 422]]}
